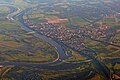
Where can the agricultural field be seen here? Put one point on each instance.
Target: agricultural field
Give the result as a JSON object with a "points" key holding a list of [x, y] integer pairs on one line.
{"points": [[59, 40], [46, 73], [76, 58], [14, 43], [6, 1]]}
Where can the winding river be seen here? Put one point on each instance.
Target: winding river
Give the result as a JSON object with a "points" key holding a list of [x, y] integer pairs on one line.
{"points": [[59, 49]]}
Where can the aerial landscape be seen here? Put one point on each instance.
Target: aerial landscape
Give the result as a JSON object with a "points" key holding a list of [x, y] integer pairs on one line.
{"points": [[59, 39]]}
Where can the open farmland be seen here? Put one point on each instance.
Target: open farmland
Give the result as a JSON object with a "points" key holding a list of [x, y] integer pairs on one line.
{"points": [[59, 39]]}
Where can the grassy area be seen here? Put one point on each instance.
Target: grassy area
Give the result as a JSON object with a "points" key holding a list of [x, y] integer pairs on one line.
{"points": [[52, 13], [81, 23], [39, 16], [109, 20], [91, 43], [8, 26], [5, 37], [4, 9], [10, 44], [75, 58], [78, 21], [27, 50], [6, 1], [22, 4], [37, 57], [17, 45], [103, 50], [117, 66], [46, 73]]}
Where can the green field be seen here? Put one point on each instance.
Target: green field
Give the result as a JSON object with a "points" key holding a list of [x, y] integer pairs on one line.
{"points": [[14, 43]]}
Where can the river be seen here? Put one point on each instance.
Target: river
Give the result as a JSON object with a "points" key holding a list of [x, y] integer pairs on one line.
{"points": [[100, 67], [57, 47]]}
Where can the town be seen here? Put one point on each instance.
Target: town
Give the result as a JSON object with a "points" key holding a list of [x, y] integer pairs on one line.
{"points": [[74, 37]]}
